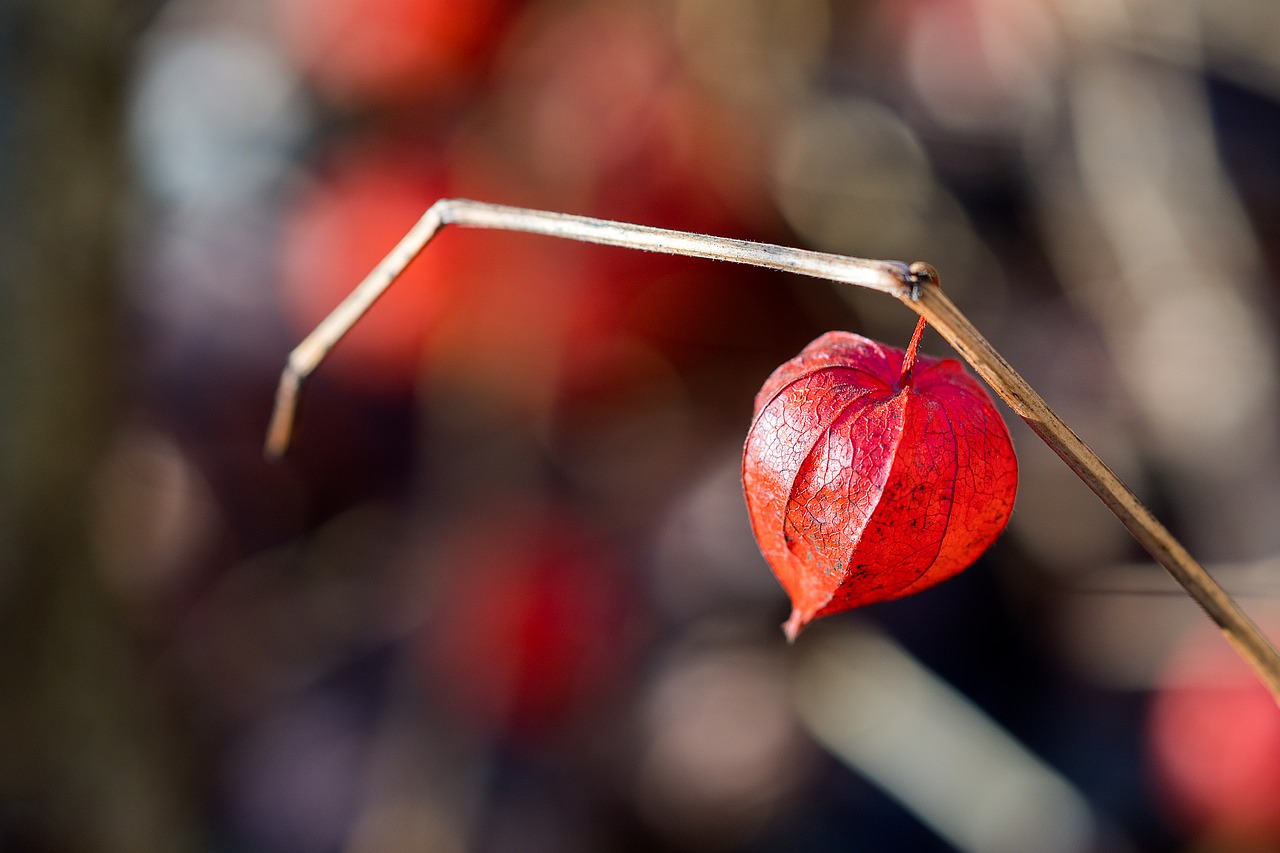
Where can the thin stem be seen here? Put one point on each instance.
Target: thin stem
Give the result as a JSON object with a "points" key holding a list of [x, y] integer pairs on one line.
{"points": [[909, 359], [916, 286]]}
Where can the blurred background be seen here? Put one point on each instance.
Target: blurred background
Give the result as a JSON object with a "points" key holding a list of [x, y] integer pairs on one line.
{"points": [[502, 595]]}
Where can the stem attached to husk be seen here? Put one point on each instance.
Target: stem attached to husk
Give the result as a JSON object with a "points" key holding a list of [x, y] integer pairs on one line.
{"points": [[909, 360]]}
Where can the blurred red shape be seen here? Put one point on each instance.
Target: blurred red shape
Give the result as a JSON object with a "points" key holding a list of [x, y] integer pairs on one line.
{"points": [[866, 482], [529, 628], [1214, 742], [386, 50]]}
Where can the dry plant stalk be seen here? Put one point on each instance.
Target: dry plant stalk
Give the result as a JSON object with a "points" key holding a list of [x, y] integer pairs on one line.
{"points": [[915, 285]]}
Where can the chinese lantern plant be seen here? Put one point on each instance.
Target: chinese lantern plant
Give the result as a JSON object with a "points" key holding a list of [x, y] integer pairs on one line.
{"points": [[838, 548], [871, 473]]}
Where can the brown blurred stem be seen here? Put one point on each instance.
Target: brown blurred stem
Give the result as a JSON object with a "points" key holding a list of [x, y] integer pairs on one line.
{"points": [[915, 285], [91, 756]]}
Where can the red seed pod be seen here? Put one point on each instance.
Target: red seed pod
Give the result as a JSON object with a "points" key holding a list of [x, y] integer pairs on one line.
{"points": [[870, 474]]}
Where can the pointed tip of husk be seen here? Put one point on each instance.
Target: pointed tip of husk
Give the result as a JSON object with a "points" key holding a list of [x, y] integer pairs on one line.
{"points": [[793, 626]]}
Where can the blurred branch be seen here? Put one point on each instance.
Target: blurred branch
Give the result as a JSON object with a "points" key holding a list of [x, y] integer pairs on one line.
{"points": [[916, 286], [79, 739], [885, 715]]}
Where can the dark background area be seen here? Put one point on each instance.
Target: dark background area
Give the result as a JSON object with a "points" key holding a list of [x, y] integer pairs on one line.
{"points": [[502, 595]]}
